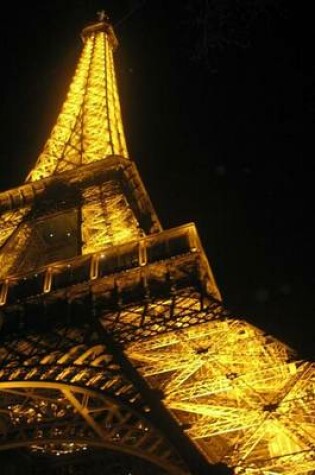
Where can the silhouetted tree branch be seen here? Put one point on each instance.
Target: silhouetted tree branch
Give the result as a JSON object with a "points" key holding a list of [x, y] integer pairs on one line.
{"points": [[217, 24]]}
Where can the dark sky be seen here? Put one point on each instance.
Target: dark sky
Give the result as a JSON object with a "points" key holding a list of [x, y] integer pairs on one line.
{"points": [[218, 109]]}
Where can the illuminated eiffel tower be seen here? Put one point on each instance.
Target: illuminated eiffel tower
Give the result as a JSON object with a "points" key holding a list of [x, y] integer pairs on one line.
{"points": [[116, 354]]}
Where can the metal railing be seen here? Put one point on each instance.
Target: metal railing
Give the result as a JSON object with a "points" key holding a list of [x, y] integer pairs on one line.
{"points": [[112, 260]]}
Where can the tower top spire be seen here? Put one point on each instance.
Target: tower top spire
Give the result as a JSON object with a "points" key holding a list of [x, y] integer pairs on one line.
{"points": [[89, 126], [102, 16], [102, 25]]}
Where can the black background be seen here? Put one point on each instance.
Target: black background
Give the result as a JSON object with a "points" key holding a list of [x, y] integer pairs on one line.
{"points": [[218, 106]]}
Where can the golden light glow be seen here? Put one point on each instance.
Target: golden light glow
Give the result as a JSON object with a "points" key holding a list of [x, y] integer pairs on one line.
{"points": [[39, 411], [13, 254], [9, 222], [242, 397], [89, 126], [233, 388], [62, 399], [107, 219]]}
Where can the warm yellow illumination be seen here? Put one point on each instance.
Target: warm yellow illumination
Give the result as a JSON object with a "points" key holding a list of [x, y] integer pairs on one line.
{"points": [[234, 391], [9, 222], [106, 218], [89, 126], [241, 396], [13, 254], [68, 400]]}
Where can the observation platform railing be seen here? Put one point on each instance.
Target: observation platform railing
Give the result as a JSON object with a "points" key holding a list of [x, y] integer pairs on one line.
{"points": [[117, 259]]}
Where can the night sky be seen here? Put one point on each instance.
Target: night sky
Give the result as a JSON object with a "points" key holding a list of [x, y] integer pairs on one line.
{"points": [[218, 107]]}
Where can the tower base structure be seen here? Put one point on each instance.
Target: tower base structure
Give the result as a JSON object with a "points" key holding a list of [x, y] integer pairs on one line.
{"points": [[133, 346], [116, 352]]}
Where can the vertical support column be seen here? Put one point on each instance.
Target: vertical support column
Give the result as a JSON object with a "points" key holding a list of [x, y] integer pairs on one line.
{"points": [[79, 228], [47, 280], [143, 258], [94, 266], [4, 292]]}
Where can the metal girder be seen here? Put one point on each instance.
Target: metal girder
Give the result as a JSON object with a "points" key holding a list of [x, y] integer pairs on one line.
{"points": [[42, 424], [89, 126], [62, 392], [107, 218], [242, 397], [158, 369], [9, 222]]}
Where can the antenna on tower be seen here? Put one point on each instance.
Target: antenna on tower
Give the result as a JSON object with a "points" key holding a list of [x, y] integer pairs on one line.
{"points": [[138, 5], [102, 15]]}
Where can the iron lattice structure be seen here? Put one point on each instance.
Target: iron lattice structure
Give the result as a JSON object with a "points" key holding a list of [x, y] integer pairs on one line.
{"points": [[115, 346]]}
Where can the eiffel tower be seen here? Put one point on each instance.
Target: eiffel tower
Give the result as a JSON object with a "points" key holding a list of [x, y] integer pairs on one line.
{"points": [[116, 352]]}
